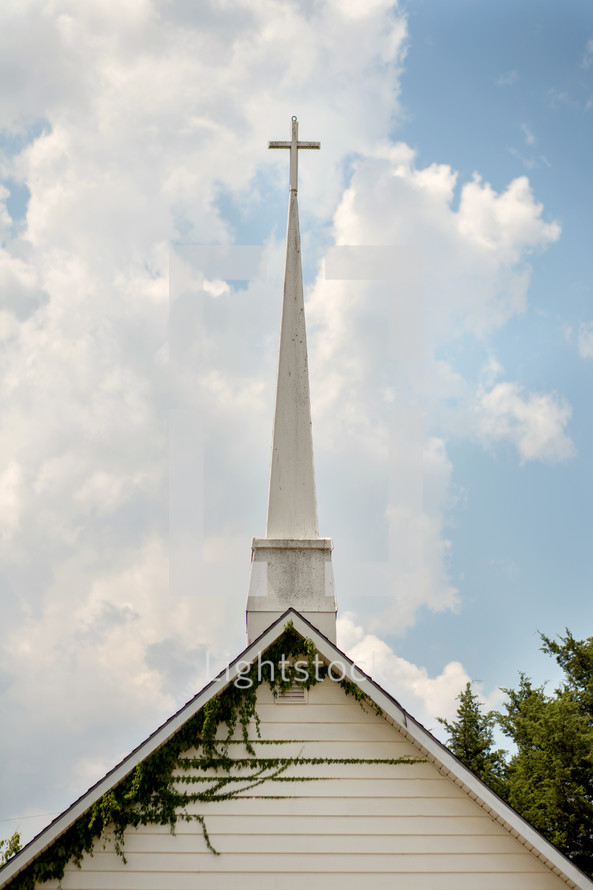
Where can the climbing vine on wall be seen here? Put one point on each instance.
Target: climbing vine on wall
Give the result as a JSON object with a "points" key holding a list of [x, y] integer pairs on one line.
{"points": [[195, 766]]}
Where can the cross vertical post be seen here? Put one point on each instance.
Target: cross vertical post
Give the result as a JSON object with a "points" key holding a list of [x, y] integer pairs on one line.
{"points": [[294, 146]]}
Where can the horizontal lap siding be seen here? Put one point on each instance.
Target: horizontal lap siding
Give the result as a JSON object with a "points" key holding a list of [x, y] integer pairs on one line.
{"points": [[128, 880], [411, 772], [337, 806], [304, 839], [323, 863], [395, 826], [326, 732], [408, 829], [370, 749], [360, 786]]}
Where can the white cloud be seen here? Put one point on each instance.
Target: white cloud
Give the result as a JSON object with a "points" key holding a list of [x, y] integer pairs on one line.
{"points": [[128, 159], [510, 223], [10, 499], [532, 163], [587, 59], [585, 341], [20, 292], [534, 423], [507, 80], [557, 98], [107, 656], [474, 255], [528, 134], [491, 371], [425, 697]]}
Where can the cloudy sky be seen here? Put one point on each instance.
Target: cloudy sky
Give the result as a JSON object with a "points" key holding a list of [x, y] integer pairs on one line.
{"points": [[451, 370]]}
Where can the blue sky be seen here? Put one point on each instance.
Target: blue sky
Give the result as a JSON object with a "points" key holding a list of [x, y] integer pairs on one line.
{"points": [[455, 132]]}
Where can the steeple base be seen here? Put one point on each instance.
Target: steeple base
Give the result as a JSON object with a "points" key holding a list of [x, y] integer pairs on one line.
{"points": [[289, 572]]}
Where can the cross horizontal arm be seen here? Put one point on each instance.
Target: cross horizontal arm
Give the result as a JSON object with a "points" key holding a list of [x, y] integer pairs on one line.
{"points": [[299, 144], [294, 145]]}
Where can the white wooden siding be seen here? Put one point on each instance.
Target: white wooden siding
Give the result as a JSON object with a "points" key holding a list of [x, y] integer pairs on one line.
{"points": [[375, 826]]}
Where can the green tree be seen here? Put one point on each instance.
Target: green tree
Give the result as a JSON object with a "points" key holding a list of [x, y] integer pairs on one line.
{"points": [[550, 777], [471, 739], [9, 847]]}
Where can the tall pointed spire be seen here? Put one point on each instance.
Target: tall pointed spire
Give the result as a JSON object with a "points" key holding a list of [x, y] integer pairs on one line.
{"points": [[292, 564], [292, 507]]}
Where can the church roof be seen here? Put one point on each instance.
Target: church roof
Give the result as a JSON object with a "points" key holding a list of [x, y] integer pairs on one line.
{"points": [[426, 744]]}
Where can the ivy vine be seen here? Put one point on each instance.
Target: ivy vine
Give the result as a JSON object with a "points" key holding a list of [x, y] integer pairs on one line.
{"points": [[195, 765]]}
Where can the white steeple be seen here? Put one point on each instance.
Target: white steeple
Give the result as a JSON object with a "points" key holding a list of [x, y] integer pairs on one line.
{"points": [[291, 566], [292, 508]]}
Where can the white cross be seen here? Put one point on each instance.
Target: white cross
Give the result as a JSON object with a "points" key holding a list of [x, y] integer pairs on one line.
{"points": [[294, 145]]}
